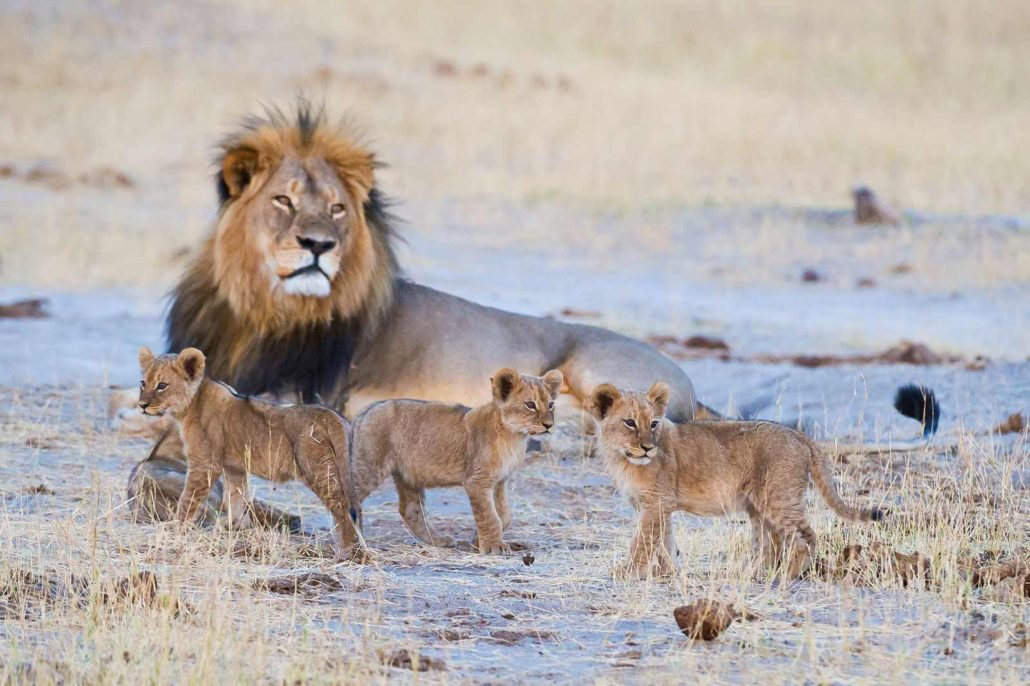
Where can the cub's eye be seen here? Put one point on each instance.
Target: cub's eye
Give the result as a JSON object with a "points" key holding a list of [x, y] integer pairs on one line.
{"points": [[284, 201], [531, 405], [142, 384], [337, 209], [550, 405], [161, 386], [654, 425], [630, 423]]}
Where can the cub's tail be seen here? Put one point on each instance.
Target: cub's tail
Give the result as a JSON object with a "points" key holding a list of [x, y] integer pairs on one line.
{"points": [[823, 478]]}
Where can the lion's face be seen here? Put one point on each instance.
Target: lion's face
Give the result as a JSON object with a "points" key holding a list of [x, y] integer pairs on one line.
{"points": [[527, 402], [301, 216], [630, 421], [169, 381]]}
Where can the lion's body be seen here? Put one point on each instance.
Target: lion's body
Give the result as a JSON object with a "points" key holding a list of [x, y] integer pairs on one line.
{"points": [[227, 436], [711, 469], [431, 445]]}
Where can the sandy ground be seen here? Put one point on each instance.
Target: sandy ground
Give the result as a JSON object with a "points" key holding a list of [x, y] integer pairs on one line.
{"points": [[660, 169]]}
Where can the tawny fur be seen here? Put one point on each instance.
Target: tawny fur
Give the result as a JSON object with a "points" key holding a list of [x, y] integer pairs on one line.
{"points": [[429, 445], [710, 469], [229, 437]]}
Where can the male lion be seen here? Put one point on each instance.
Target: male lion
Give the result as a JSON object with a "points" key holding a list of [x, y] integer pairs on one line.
{"points": [[297, 291], [429, 445], [233, 436], [710, 469]]}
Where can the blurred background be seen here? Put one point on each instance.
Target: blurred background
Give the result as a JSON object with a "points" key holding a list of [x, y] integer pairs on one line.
{"points": [[663, 168]]}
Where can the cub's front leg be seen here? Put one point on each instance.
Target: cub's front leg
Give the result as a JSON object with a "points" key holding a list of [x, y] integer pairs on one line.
{"points": [[489, 527], [648, 545], [199, 479], [236, 498]]}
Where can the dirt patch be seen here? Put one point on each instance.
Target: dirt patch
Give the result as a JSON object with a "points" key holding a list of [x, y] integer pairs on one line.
{"points": [[308, 584], [513, 637], [403, 658]]}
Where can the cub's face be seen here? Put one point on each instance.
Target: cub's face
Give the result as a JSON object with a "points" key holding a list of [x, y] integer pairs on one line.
{"points": [[169, 381], [630, 421], [527, 402]]}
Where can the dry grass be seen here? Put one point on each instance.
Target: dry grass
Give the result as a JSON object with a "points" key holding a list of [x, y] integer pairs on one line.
{"points": [[560, 619], [614, 105]]}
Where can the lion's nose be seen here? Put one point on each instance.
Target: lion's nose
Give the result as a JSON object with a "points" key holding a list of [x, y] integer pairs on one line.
{"points": [[646, 448], [317, 246]]}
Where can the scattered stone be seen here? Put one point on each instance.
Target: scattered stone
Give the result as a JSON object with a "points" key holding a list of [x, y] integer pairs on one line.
{"points": [[34, 308], [38, 489], [308, 584], [705, 620], [6, 171], [811, 276], [406, 659], [901, 268], [865, 282], [106, 178], [978, 363], [528, 559], [453, 634], [579, 314], [705, 343], [905, 352], [1015, 424], [480, 70], [987, 575], [445, 68], [909, 567], [48, 176], [869, 210], [513, 637]]}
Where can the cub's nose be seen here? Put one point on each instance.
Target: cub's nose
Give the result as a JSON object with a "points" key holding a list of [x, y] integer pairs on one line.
{"points": [[648, 449], [547, 425], [317, 246], [143, 405]]}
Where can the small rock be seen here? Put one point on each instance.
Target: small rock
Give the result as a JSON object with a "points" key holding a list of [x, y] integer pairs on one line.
{"points": [[705, 343], [34, 308], [1015, 424], [869, 209], [405, 659], [38, 489], [705, 620], [528, 559], [865, 282], [811, 276], [444, 68]]}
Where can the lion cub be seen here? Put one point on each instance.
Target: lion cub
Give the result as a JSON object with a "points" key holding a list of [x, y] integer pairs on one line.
{"points": [[427, 445], [228, 435], [710, 469]]}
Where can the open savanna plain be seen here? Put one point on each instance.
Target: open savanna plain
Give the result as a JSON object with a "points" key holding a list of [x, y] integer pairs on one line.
{"points": [[664, 169]]}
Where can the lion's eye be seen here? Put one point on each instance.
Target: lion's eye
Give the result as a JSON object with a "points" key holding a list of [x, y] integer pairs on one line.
{"points": [[630, 423], [142, 384], [283, 200], [337, 209], [654, 424], [161, 386], [550, 405], [531, 405]]}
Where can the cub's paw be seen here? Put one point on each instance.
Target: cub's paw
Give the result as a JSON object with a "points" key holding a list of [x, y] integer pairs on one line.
{"points": [[494, 548]]}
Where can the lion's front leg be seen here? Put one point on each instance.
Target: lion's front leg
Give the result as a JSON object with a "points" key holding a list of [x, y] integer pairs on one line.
{"points": [[649, 545]]}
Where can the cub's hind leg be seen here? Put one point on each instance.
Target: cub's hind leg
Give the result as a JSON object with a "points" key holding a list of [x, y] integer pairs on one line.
{"points": [[797, 539], [321, 473], [765, 543], [411, 503]]}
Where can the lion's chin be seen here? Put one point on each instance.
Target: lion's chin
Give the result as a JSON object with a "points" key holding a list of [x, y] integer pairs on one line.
{"points": [[639, 461], [314, 284]]}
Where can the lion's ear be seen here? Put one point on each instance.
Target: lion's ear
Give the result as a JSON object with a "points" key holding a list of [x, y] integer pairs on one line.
{"points": [[658, 394], [504, 382], [192, 362], [238, 167], [145, 357], [554, 380], [601, 400]]}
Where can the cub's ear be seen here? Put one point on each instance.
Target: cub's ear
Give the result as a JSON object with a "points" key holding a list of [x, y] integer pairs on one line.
{"points": [[658, 394], [145, 357], [192, 362], [601, 400], [554, 380], [238, 167], [504, 382]]}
